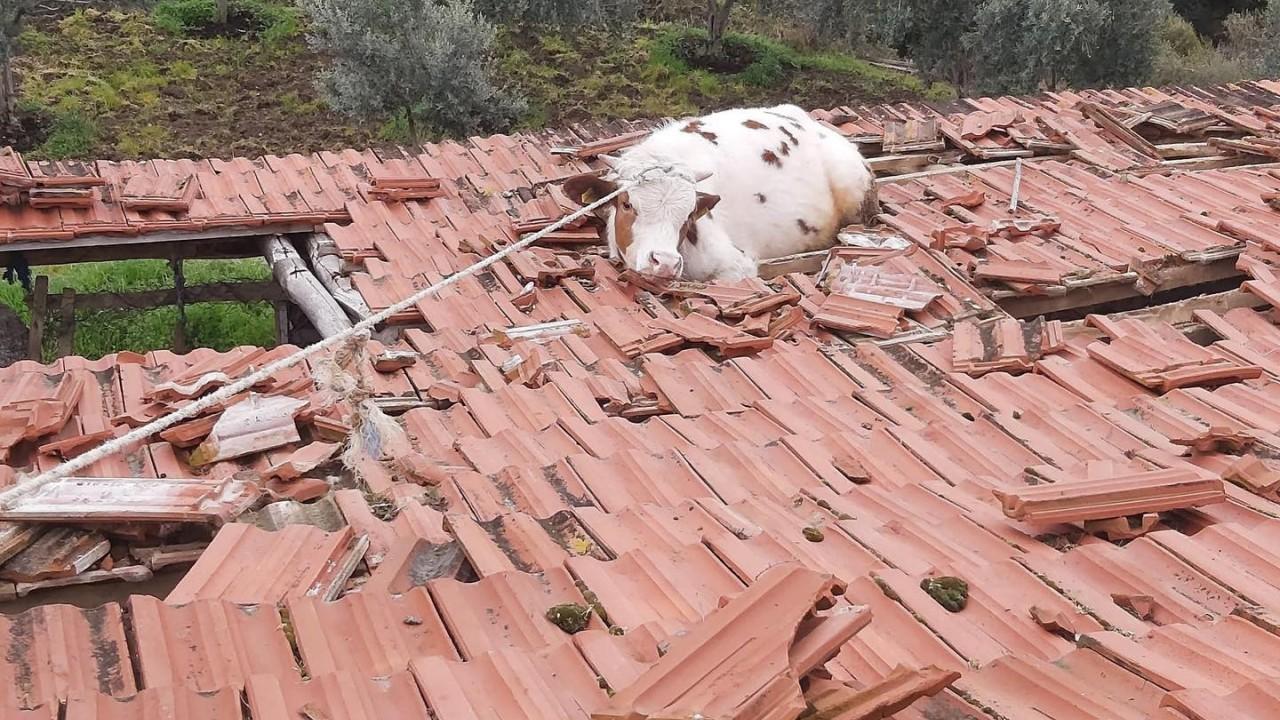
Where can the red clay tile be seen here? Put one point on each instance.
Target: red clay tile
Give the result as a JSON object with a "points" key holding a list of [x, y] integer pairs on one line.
{"points": [[45, 650], [81, 500], [165, 703], [716, 672], [336, 695], [551, 684], [247, 565], [1113, 497], [207, 645], [368, 632]]}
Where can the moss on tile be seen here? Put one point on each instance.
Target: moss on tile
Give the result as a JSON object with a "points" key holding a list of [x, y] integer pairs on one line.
{"points": [[950, 592], [570, 617]]}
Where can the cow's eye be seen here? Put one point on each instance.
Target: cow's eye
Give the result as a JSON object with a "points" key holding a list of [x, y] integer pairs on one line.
{"points": [[626, 206]]}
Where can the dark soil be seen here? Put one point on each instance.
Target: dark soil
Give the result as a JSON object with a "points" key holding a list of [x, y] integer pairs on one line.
{"points": [[733, 57], [239, 24], [26, 132], [13, 337]]}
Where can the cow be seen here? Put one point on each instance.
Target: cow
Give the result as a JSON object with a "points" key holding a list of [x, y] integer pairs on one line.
{"points": [[715, 195]]}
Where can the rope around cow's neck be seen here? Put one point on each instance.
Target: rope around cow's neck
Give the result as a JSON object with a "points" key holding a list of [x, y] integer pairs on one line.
{"points": [[226, 392]]}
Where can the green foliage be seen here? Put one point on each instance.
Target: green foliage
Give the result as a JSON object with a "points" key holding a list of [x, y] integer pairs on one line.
{"points": [[183, 16], [559, 12], [73, 135], [1186, 58], [1251, 40], [221, 326], [406, 56], [273, 21], [1207, 16]]}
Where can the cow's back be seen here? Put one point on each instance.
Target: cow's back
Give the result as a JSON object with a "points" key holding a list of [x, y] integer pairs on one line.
{"points": [[786, 183]]}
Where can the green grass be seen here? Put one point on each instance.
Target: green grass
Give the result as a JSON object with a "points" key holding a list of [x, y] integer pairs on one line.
{"points": [[217, 325], [272, 21]]}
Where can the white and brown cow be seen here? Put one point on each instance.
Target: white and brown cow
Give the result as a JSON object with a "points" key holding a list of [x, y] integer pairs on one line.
{"points": [[741, 186]]}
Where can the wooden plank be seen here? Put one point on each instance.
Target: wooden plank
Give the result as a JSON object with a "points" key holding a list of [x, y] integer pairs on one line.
{"points": [[179, 288], [1081, 298], [213, 292], [282, 322], [1124, 134], [67, 323], [228, 234], [1177, 313], [39, 309]]}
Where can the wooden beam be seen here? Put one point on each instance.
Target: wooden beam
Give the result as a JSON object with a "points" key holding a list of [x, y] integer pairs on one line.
{"points": [[230, 249], [67, 323], [282, 322], [1181, 312], [213, 292], [1084, 298], [179, 288], [303, 289], [39, 309], [326, 261], [100, 242], [954, 169]]}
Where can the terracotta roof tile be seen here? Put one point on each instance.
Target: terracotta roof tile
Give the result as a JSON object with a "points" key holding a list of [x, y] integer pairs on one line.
{"points": [[296, 561], [206, 645], [45, 648], [345, 695], [165, 703], [368, 632]]}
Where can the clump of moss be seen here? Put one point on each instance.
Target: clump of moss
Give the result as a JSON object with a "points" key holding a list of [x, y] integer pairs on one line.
{"points": [[570, 617], [951, 593], [813, 534]]}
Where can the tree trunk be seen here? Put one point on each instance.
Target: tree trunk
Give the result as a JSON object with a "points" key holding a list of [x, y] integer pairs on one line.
{"points": [[413, 124], [8, 94], [223, 15], [717, 22], [292, 274]]}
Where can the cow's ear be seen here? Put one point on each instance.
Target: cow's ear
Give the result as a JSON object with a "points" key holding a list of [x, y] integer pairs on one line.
{"points": [[706, 201], [587, 188]]}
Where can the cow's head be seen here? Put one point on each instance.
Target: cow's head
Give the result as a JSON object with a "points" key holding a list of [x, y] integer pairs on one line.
{"points": [[645, 224]]}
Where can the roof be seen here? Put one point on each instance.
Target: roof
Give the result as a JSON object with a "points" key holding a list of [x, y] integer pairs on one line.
{"points": [[746, 484]]}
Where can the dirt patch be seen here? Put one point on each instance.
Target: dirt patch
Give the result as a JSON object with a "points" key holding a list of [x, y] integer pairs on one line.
{"points": [[734, 56], [26, 131], [13, 337]]}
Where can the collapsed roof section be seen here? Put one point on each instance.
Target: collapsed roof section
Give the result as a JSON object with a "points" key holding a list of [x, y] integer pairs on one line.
{"points": [[872, 484]]}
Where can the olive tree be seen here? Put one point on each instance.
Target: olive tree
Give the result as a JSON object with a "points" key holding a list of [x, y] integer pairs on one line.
{"points": [[560, 12], [428, 58], [12, 13]]}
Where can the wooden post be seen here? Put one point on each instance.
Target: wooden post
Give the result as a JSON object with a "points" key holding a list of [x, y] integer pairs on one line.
{"points": [[67, 329], [282, 322], [39, 308], [179, 286]]}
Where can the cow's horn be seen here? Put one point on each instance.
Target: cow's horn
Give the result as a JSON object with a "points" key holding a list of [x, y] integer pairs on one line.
{"points": [[699, 177]]}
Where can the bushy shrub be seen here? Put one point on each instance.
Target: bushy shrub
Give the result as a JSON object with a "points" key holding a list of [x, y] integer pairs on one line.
{"points": [[272, 21], [560, 12], [412, 57]]}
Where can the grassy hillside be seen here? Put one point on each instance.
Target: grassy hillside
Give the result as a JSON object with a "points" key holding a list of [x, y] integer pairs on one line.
{"points": [[130, 83]]}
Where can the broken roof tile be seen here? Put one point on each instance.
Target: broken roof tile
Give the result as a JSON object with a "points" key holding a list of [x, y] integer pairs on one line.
{"points": [[712, 671], [247, 565], [1112, 497]]}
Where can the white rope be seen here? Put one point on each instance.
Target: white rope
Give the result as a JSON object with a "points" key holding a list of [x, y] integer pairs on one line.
{"points": [[226, 392]]}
